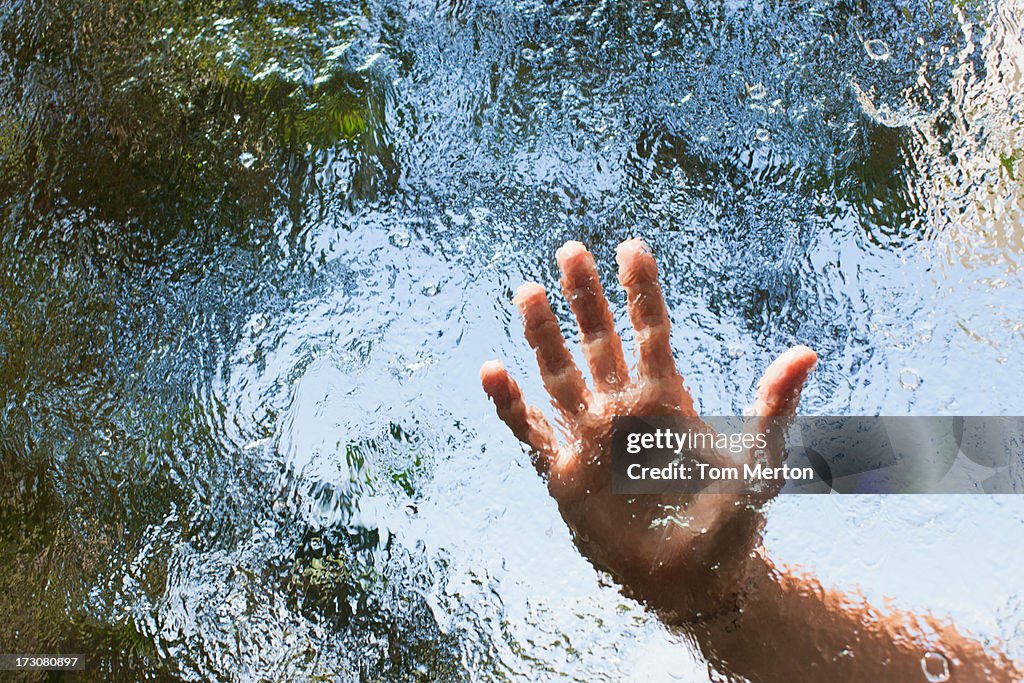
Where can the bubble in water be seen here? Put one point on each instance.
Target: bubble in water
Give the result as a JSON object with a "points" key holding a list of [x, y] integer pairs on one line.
{"points": [[756, 91], [400, 239], [762, 135], [909, 379], [877, 49], [430, 289], [935, 667], [246, 159]]}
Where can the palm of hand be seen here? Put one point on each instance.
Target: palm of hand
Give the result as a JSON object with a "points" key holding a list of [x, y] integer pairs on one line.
{"points": [[653, 545]]}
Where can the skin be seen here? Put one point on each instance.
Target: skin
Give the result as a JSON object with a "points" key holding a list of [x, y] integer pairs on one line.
{"points": [[706, 569]]}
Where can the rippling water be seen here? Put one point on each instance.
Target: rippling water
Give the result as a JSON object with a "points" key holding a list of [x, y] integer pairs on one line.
{"points": [[253, 254]]}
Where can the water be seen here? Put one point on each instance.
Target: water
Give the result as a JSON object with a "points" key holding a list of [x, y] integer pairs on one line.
{"points": [[253, 255]]}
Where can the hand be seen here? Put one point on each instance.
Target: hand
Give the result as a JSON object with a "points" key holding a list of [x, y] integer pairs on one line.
{"points": [[680, 554]]}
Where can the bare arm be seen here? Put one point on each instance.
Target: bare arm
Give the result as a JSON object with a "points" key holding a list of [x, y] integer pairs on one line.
{"points": [[708, 571], [792, 629]]}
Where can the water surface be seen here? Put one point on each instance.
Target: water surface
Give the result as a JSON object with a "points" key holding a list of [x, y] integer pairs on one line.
{"points": [[253, 254]]}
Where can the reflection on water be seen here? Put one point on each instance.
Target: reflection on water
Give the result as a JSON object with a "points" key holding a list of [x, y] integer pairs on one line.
{"points": [[253, 254]]}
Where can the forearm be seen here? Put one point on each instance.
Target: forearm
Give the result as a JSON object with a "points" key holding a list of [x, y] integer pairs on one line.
{"points": [[786, 627]]}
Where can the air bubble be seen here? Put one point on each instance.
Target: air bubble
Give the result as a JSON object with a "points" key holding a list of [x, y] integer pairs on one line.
{"points": [[736, 351], [762, 135], [246, 159], [935, 667], [877, 49], [909, 379], [400, 239], [756, 91]]}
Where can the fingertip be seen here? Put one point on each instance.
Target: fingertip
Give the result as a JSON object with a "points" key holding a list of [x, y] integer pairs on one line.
{"points": [[577, 265], [799, 358], [636, 262], [569, 251], [633, 245], [491, 371], [529, 293], [497, 383], [780, 387]]}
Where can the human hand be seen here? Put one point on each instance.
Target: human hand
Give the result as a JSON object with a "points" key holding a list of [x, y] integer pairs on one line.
{"points": [[680, 554]]}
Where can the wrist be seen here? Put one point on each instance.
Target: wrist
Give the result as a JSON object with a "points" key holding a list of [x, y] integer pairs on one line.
{"points": [[735, 590], [712, 594]]}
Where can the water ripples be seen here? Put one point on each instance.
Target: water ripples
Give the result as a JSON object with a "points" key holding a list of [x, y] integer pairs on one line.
{"points": [[253, 261]]}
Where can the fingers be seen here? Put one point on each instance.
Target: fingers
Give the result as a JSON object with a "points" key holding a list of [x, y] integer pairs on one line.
{"points": [[602, 346], [526, 422], [778, 392], [561, 377], [639, 276]]}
